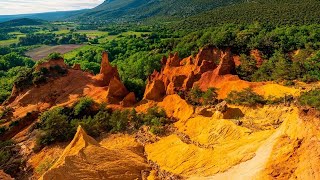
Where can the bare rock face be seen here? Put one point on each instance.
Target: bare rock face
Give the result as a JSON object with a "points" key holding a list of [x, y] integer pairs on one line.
{"points": [[116, 91], [227, 64], [155, 90], [206, 54], [180, 75], [173, 60], [222, 107], [129, 100], [109, 76], [107, 72]]}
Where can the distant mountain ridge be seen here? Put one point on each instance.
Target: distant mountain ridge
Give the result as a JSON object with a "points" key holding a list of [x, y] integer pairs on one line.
{"points": [[48, 16], [203, 13], [22, 22], [191, 13]]}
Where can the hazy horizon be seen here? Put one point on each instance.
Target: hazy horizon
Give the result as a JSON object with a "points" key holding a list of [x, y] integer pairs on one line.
{"points": [[15, 7]]}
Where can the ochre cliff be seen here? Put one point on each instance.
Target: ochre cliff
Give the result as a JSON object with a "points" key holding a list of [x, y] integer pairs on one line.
{"points": [[66, 89], [85, 158], [211, 67]]}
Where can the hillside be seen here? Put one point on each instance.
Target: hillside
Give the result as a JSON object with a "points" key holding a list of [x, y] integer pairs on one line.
{"points": [[49, 16], [206, 13], [268, 12], [22, 22], [119, 10]]}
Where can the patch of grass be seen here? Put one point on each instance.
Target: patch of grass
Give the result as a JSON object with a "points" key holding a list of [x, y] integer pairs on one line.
{"points": [[11, 41]]}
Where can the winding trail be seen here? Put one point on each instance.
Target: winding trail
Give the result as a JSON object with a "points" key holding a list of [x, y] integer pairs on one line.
{"points": [[249, 169]]}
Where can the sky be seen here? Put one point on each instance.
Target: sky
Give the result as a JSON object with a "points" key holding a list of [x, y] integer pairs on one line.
{"points": [[9, 7]]}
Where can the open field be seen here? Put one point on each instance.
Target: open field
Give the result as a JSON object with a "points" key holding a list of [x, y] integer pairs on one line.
{"points": [[12, 41], [112, 37], [93, 33], [43, 51]]}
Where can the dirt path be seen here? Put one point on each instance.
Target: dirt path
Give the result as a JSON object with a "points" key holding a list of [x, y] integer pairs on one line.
{"points": [[250, 168]]}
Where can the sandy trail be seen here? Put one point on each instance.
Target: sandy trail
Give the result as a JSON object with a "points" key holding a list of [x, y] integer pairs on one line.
{"points": [[250, 168]]}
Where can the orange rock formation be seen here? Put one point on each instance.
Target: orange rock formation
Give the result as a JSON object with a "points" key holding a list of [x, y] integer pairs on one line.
{"points": [[180, 75], [107, 72], [67, 89]]}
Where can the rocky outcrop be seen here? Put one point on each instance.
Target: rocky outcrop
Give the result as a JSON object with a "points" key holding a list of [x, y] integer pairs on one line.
{"points": [[155, 90], [180, 75], [116, 91], [109, 76], [226, 65], [107, 72], [129, 100]]}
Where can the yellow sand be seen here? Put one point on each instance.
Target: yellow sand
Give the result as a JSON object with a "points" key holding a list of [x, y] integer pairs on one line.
{"points": [[276, 90], [234, 147], [85, 158], [176, 107]]}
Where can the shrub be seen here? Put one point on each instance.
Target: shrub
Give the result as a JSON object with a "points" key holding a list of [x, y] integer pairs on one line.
{"points": [[247, 68], [23, 79], [11, 161], [194, 95], [38, 77], [119, 120], [14, 123], [55, 127], [58, 69], [288, 83], [54, 56], [210, 96], [3, 130], [60, 124], [155, 118], [4, 95], [95, 125], [245, 97], [197, 97], [310, 98], [82, 106]]}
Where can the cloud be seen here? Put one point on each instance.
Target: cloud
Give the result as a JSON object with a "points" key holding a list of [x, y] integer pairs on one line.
{"points": [[8, 7]]}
